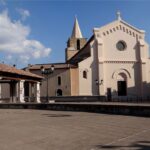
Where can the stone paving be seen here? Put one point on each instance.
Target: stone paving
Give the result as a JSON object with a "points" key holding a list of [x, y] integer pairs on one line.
{"points": [[27, 129]]}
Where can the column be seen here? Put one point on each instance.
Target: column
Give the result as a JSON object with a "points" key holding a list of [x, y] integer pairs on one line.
{"points": [[21, 91], [38, 92]]}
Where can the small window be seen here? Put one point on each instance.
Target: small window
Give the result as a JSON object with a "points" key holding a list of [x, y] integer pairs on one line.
{"points": [[78, 44], [59, 80], [85, 74]]}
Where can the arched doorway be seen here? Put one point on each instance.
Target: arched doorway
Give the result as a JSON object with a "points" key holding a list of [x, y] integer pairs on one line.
{"points": [[59, 92], [122, 84]]}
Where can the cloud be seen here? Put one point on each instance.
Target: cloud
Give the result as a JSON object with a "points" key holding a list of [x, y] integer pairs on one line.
{"points": [[24, 59], [14, 40], [9, 57], [24, 13], [3, 2]]}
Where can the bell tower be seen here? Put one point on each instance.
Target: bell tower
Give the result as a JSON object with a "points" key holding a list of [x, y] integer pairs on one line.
{"points": [[75, 42]]}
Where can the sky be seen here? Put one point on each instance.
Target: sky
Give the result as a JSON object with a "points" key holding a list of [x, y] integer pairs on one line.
{"points": [[36, 31]]}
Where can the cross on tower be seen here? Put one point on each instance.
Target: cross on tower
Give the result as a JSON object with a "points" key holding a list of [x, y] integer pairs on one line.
{"points": [[118, 15]]}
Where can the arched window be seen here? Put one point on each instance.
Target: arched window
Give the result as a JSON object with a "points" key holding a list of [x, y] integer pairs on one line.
{"points": [[59, 80], [85, 74], [78, 44]]}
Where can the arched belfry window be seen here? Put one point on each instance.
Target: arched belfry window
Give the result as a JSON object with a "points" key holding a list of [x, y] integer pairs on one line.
{"points": [[85, 74], [78, 44], [59, 80]]}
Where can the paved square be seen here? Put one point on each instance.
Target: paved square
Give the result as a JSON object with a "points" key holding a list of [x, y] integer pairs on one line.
{"points": [[57, 130]]}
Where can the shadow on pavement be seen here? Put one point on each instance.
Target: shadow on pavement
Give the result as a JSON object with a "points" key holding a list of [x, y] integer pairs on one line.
{"points": [[56, 115], [139, 145]]}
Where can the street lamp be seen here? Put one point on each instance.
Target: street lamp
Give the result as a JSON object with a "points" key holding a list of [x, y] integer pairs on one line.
{"points": [[47, 72], [99, 82]]}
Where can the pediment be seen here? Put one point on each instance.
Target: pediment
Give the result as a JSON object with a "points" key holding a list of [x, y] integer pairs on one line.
{"points": [[120, 25]]}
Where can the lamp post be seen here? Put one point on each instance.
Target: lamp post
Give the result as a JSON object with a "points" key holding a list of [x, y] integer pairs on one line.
{"points": [[47, 72], [98, 83]]}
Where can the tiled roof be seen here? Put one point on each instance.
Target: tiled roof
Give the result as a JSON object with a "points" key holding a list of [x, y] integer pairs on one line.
{"points": [[46, 66], [12, 70]]}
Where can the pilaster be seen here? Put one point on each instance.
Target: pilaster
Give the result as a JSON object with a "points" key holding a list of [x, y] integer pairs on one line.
{"points": [[143, 54], [100, 64]]}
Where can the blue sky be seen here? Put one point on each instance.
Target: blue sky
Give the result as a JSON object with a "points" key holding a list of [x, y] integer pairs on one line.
{"points": [[44, 26]]}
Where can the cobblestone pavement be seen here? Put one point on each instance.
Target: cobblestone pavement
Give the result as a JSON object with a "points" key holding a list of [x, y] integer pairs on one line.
{"points": [[56, 130]]}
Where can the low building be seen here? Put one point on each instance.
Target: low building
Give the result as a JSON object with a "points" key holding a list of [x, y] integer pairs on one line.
{"points": [[18, 85]]}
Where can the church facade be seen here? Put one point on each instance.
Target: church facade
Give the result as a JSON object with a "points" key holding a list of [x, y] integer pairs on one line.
{"points": [[114, 62]]}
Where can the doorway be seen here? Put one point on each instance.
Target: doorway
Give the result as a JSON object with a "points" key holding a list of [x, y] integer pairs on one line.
{"points": [[122, 88], [59, 92]]}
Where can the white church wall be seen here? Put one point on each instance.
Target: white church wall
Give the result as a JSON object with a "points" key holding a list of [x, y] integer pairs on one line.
{"points": [[147, 74], [85, 83], [112, 60], [112, 53], [107, 64], [88, 86], [112, 71]]}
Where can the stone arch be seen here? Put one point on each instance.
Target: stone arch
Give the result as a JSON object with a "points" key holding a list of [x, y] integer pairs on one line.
{"points": [[121, 72], [122, 77]]}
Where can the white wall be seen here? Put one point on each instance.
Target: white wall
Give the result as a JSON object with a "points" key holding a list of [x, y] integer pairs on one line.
{"points": [[112, 60], [88, 86]]}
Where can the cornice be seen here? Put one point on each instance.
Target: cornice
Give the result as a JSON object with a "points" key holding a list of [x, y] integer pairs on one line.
{"points": [[121, 61]]}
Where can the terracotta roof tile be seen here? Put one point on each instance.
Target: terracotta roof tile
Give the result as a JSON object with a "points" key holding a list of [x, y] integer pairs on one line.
{"points": [[9, 69], [46, 66]]}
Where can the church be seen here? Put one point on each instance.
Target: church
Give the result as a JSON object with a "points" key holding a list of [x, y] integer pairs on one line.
{"points": [[113, 62]]}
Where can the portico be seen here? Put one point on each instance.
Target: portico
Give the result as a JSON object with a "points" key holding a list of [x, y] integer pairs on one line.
{"points": [[18, 85]]}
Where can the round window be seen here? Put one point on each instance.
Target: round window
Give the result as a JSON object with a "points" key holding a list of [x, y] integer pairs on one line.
{"points": [[121, 45]]}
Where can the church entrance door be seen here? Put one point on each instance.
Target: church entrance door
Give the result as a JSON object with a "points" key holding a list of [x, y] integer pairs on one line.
{"points": [[122, 88]]}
